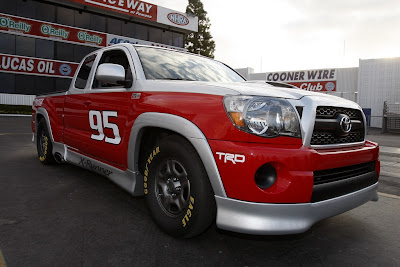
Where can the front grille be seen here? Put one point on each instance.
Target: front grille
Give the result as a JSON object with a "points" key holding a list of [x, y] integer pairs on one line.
{"points": [[342, 181], [327, 127]]}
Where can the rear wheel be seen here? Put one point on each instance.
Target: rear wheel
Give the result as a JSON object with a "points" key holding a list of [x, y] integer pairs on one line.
{"points": [[43, 143], [178, 192]]}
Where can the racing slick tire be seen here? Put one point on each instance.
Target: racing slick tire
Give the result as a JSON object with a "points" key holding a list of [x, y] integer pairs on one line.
{"points": [[177, 189], [43, 143]]}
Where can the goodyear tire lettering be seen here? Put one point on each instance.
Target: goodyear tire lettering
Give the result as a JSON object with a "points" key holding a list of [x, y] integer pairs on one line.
{"points": [[146, 171], [188, 214], [43, 158]]}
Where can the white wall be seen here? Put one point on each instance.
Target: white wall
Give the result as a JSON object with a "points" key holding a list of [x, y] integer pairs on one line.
{"points": [[378, 81]]}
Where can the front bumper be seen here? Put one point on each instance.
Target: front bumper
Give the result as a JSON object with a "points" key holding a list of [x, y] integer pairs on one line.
{"points": [[276, 219]]}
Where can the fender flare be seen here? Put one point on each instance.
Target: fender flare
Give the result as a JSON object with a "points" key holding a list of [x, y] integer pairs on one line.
{"points": [[43, 112], [183, 127]]}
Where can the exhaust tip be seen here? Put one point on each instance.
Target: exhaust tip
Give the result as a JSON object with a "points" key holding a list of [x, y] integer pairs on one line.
{"points": [[58, 158]]}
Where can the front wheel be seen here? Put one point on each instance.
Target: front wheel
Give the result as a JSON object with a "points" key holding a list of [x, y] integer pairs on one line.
{"points": [[177, 190]]}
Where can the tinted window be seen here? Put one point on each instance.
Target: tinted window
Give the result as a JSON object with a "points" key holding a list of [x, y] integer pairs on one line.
{"points": [[161, 64], [114, 57], [114, 26], [82, 20], [45, 12], [128, 29], [64, 51], [141, 32], [7, 43], [155, 35], [25, 84], [97, 23], [84, 72], [25, 46], [7, 83], [178, 39], [44, 85], [65, 16], [167, 37], [44, 49]]}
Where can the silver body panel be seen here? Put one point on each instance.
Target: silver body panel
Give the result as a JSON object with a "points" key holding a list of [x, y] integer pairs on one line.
{"points": [[277, 219]]}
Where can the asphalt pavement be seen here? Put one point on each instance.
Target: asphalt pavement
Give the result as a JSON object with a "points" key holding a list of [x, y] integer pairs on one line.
{"points": [[62, 215]]}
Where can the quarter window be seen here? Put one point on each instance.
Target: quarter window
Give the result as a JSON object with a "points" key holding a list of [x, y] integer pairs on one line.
{"points": [[84, 72]]}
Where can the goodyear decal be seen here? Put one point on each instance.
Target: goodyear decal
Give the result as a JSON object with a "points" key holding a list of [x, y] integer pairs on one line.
{"points": [[188, 214]]}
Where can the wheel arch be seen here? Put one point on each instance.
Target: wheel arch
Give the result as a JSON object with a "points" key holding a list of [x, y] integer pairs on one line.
{"points": [[42, 113], [168, 123]]}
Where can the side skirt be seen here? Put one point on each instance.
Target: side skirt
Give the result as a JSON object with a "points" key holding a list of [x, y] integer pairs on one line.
{"points": [[129, 180]]}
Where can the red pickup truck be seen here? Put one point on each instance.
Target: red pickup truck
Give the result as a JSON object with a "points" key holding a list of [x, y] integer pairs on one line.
{"points": [[203, 145]]}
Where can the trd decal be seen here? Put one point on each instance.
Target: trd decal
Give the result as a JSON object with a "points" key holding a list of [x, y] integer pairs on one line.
{"points": [[89, 165], [234, 158]]}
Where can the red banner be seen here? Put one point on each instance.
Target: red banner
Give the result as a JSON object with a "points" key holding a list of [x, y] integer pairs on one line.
{"points": [[319, 86], [52, 31], [133, 8], [37, 66]]}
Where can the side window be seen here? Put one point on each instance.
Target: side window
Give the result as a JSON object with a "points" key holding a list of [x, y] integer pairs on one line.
{"points": [[84, 72], [116, 57]]}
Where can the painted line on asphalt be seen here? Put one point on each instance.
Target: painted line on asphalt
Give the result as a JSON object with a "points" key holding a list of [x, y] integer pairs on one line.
{"points": [[14, 133], [2, 260], [388, 195], [15, 115]]}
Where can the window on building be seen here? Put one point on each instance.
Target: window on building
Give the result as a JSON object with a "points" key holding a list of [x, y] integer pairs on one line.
{"points": [[25, 84], [45, 12], [141, 32], [177, 39], [44, 48], [155, 35], [167, 37], [128, 29], [81, 51], [82, 20], [97, 23], [64, 51], [7, 83], [114, 26], [66, 16], [7, 43], [25, 46], [84, 72], [62, 84], [26, 8], [44, 85], [9, 7]]}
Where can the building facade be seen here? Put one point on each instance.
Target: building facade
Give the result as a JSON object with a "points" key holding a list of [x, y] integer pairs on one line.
{"points": [[373, 83], [42, 42]]}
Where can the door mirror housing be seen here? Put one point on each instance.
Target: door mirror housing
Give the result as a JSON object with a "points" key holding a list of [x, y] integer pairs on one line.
{"points": [[111, 73]]}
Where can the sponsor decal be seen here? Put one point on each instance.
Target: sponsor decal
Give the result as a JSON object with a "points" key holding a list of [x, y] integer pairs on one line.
{"points": [[36, 66], [178, 19], [38, 102], [16, 25], [132, 8], [316, 86], [310, 80], [234, 158], [52, 31], [65, 69], [93, 167]]}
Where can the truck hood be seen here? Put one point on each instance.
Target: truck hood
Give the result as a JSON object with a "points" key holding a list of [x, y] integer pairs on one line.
{"points": [[238, 88]]}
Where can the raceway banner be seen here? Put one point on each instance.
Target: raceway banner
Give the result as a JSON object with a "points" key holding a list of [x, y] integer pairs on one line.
{"points": [[310, 80], [56, 32], [46, 30], [147, 11], [37, 66]]}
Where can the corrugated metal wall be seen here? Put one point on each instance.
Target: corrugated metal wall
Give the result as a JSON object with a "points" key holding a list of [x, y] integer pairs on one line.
{"points": [[16, 99], [378, 81]]}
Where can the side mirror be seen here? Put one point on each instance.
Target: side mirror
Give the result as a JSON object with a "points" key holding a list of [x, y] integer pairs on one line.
{"points": [[110, 73]]}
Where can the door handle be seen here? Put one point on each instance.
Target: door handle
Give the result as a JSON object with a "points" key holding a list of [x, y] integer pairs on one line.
{"points": [[87, 102]]}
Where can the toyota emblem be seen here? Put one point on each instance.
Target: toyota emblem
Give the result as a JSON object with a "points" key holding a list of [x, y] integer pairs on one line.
{"points": [[345, 123]]}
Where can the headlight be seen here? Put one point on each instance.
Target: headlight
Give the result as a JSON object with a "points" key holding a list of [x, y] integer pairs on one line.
{"points": [[263, 116]]}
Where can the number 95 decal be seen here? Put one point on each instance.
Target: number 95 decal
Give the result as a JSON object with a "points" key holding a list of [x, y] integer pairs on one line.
{"points": [[99, 121]]}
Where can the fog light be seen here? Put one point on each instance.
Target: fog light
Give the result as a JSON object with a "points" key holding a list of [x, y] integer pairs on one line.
{"points": [[265, 176]]}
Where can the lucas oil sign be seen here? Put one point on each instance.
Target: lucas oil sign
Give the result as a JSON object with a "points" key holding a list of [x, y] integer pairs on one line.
{"points": [[310, 80]]}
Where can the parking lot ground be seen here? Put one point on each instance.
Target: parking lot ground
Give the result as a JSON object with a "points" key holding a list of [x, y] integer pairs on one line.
{"points": [[62, 215]]}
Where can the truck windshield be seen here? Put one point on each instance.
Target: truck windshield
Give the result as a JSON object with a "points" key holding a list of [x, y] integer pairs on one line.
{"points": [[160, 64]]}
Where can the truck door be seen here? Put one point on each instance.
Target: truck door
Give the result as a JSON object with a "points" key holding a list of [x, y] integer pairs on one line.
{"points": [[108, 112], [76, 107]]}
